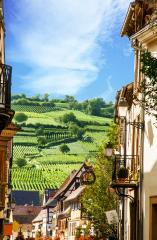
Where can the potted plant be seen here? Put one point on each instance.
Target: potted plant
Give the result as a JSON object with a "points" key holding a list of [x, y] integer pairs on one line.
{"points": [[122, 174]]}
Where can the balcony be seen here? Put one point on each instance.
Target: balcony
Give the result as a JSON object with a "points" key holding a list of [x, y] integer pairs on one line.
{"points": [[6, 113], [125, 171]]}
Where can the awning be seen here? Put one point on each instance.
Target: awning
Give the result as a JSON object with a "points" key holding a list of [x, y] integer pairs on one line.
{"points": [[75, 194]]}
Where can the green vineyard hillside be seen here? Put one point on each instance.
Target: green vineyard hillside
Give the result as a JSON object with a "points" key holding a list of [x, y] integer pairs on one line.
{"points": [[38, 162]]}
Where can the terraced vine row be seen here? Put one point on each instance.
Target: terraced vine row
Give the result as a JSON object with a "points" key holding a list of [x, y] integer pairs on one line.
{"points": [[46, 166], [22, 151], [46, 176], [35, 109]]}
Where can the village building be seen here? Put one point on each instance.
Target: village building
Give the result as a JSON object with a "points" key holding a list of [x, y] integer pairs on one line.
{"points": [[63, 211], [136, 161], [22, 219], [7, 132]]}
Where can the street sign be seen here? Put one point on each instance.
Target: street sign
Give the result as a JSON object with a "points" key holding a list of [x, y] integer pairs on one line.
{"points": [[112, 217]]}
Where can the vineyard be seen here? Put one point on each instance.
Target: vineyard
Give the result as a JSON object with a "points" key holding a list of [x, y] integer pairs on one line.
{"points": [[46, 176], [46, 166]]}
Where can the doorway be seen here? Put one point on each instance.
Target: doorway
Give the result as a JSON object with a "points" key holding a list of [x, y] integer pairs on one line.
{"points": [[153, 218]]}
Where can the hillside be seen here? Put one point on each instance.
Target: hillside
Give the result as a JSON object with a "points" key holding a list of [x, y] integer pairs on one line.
{"points": [[37, 146]]}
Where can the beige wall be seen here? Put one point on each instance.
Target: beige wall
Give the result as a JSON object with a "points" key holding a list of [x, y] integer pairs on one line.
{"points": [[150, 140]]}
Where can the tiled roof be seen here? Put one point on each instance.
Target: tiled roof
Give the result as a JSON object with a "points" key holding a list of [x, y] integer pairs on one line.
{"points": [[75, 194], [22, 219], [25, 214], [26, 210]]}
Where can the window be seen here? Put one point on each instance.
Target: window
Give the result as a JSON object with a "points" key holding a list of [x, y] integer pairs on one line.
{"points": [[72, 228]]}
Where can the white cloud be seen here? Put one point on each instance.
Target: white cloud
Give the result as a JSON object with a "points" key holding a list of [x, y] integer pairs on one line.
{"points": [[60, 41]]}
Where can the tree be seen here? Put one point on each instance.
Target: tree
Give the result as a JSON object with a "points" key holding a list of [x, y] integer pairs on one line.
{"points": [[21, 162], [20, 117], [17, 96], [69, 98], [40, 131], [97, 199], [41, 141], [80, 133], [36, 98], [76, 130], [46, 97], [149, 84], [48, 104], [95, 105], [64, 148], [69, 117]]}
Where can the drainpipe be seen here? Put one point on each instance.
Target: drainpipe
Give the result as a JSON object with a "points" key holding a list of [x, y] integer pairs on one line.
{"points": [[141, 190]]}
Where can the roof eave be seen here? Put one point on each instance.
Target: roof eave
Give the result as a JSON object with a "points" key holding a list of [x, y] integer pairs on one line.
{"points": [[127, 19]]}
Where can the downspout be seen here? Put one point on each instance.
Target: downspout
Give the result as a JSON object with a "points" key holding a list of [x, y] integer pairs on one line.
{"points": [[141, 190]]}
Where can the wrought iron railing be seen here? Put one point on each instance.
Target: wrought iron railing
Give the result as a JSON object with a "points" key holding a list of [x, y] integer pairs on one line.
{"points": [[132, 166], [5, 86]]}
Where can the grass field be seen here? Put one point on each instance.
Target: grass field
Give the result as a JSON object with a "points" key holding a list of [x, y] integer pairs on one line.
{"points": [[53, 117]]}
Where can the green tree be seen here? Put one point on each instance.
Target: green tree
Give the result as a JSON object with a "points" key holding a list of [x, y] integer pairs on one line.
{"points": [[41, 141], [80, 133], [95, 105], [20, 117], [36, 98], [112, 134], [17, 96], [148, 85], [21, 162], [69, 117], [64, 148], [76, 130], [40, 131], [46, 97], [69, 98], [97, 199]]}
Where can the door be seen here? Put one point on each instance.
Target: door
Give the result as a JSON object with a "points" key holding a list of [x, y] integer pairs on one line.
{"points": [[153, 218]]}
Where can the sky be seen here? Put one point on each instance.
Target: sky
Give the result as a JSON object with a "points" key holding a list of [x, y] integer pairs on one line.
{"points": [[68, 47]]}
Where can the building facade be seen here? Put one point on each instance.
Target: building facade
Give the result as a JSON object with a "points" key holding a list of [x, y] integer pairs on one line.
{"points": [[7, 129], [62, 215], [137, 158]]}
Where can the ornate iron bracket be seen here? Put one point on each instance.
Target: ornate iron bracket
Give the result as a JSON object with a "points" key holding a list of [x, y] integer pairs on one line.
{"points": [[120, 194], [88, 176], [139, 125]]}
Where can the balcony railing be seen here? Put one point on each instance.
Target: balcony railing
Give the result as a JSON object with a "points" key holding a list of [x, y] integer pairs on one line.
{"points": [[128, 164], [5, 86]]}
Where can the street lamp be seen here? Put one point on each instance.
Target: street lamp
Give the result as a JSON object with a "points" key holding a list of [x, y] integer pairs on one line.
{"points": [[108, 149], [122, 110], [122, 107]]}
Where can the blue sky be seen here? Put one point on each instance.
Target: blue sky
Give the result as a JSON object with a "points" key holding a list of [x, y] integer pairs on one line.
{"points": [[68, 47]]}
